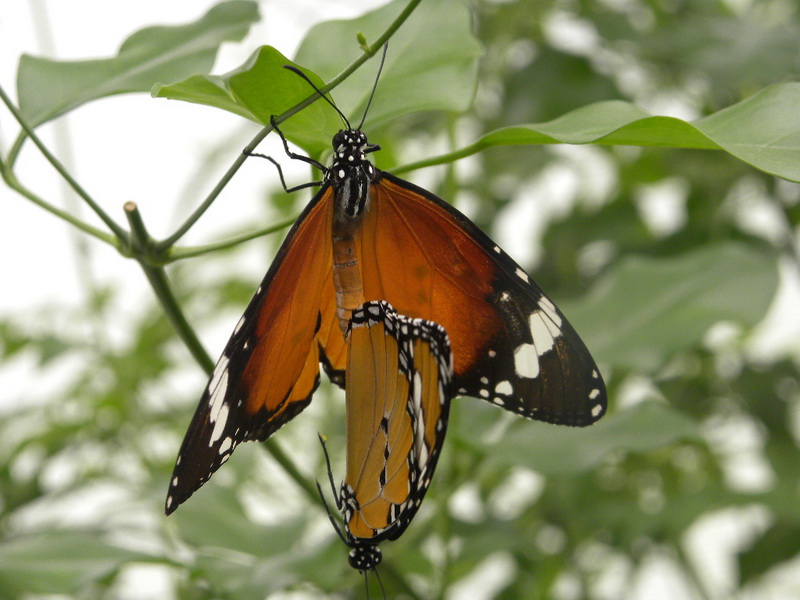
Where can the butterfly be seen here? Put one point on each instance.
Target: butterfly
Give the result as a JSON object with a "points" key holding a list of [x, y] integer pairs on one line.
{"points": [[398, 392], [369, 235]]}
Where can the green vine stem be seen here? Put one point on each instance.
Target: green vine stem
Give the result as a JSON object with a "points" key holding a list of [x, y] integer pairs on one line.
{"points": [[157, 277], [442, 159], [13, 183], [180, 253]]}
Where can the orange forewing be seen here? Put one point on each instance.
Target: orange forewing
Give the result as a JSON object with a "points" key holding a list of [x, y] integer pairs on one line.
{"points": [[285, 364], [407, 243], [270, 366]]}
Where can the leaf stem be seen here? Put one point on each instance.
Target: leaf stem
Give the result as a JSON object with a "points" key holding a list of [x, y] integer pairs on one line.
{"points": [[442, 159], [179, 253], [14, 151], [112, 225], [14, 184]]}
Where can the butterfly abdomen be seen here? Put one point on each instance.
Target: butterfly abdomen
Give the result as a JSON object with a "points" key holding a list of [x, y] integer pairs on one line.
{"points": [[347, 280]]}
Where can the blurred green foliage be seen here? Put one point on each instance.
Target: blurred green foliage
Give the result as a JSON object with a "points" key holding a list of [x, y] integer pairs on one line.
{"points": [[666, 300]]}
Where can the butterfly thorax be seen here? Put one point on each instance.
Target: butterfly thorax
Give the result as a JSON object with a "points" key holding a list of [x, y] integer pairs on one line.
{"points": [[351, 173], [350, 176]]}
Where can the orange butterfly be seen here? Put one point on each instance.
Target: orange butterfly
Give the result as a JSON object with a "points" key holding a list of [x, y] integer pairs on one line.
{"points": [[368, 235]]}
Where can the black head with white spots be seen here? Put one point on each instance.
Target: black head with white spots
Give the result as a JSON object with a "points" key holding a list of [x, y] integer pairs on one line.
{"points": [[351, 172], [364, 557]]}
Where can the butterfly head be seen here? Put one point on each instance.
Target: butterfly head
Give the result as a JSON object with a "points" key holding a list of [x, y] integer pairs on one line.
{"points": [[364, 557]]}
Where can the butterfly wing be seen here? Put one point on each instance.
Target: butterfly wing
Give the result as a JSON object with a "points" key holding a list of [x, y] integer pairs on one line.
{"points": [[511, 345], [398, 399], [270, 366]]}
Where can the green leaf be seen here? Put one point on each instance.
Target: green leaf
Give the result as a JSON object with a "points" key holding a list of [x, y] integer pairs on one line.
{"points": [[431, 63], [49, 88], [555, 450], [646, 309], [259, 89], [58, 562], [762, 130]]}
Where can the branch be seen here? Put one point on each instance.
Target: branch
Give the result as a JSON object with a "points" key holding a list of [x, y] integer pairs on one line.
{"points": [[141, 245]]}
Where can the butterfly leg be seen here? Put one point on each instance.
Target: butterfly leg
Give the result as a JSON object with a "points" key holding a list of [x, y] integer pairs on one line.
{"points": [[292, 155], [333, 489]]}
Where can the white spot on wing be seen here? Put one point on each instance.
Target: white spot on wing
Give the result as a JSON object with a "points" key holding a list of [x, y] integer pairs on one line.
{"points": [[550, 310], [218, 397], [238, 325], [504, 387], [526, 361], [522, 275], [225, 445], [596, 410], [219, 425], [542, 336], [220, 368], [594, 394], [419, 429]]}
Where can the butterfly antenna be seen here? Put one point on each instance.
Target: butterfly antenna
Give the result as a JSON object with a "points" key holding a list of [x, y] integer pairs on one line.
{"points": [[366, 583], [297, 71], [330, 515], [375, 85], [380, 582], [330, 471]]}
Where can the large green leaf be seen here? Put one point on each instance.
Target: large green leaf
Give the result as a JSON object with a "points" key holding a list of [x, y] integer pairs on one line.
{"points": [[646, 309], [58, 562], [431, 65], [49, 88], [762, 130], [259, 89]]}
